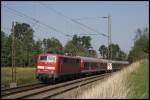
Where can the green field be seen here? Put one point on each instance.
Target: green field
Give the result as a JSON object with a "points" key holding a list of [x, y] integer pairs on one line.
{"points": [[23, 75], [139, 82]]}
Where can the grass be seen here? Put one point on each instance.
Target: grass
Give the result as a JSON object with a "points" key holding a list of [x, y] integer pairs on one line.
{"points": [[139, 81], [131, 82], [23, 75]]}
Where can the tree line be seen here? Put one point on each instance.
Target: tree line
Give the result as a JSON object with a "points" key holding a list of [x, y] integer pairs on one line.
{"points": [[116, 52], [140, 50], [27, 48]]}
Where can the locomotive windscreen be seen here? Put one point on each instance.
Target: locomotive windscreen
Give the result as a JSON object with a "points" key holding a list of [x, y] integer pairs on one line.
{"points": [[49, 58], [43, 57]]}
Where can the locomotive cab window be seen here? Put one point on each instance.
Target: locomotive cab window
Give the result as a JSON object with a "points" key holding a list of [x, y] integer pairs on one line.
{"points": [[48, 58], [43, 58], [51, 58]]}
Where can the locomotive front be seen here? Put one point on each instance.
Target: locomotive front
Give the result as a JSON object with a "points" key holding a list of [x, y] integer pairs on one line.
{"points": [[46, 67]]}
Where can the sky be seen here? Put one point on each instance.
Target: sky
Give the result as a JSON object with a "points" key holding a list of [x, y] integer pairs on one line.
{"points": [[126, 18]]}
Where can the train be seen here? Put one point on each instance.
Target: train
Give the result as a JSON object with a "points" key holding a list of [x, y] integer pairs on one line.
{"points": [[50, 67]]}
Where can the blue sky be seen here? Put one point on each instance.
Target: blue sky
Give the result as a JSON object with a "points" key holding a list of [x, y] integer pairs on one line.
{"points": [[127, 16]]}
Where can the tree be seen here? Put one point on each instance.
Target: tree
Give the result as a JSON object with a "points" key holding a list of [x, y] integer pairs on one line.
{"points": [[86, 41], [140, 49], [138, 34], [37, 49], [5, 49], [103, 51], [53, 45], [24, 41], [70, 47], [92, 53], [80, 46], [116, 52], [122, 56]]}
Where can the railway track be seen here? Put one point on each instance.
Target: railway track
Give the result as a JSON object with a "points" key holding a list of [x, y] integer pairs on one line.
{"points": [[10, 91], [49, 91]]}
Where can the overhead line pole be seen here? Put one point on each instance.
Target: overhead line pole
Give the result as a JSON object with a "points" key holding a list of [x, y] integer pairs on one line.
{"points": [[109, 39]]}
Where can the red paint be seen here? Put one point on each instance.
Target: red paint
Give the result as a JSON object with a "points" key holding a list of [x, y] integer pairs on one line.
{"points": [[46, 64], [59, 67]]}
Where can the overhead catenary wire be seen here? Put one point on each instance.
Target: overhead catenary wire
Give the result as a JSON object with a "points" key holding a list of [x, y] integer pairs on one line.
{"points": [[64, 16], [75, 21], [34, 19], [87, 18], [19, 15], [37, 21]]}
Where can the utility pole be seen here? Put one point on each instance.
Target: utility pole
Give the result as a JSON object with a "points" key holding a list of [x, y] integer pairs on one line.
{"points": [[12, 53], [13, 84]]}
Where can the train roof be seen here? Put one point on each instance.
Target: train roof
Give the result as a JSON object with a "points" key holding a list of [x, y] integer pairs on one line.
{"points": [[90, 59], [123, 62], [58, 55], [87, 59]]}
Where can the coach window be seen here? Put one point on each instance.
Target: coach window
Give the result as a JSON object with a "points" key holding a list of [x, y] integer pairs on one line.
{"points": [[73, 61], [93, 65], [77, 61], [114, 64], [64, 60], [90, 65], [117, 65], [105, 64], [69, 61], [86, 65], [101, 64], [96, 65]]}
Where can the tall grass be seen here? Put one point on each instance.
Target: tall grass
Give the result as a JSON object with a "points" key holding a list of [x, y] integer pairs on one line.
{"points": [[139, 82], [23, 75], [115, 87]]}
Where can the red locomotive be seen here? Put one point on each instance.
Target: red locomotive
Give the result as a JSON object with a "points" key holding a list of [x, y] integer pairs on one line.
{"points": [[56, 66]]}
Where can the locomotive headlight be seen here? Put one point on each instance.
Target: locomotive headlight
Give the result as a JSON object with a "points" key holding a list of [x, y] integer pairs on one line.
{"points": [[53, 68], [40, 67]]}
